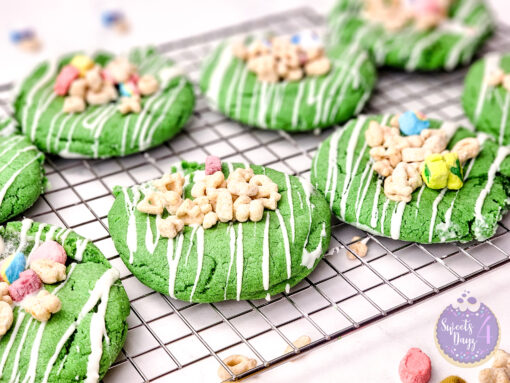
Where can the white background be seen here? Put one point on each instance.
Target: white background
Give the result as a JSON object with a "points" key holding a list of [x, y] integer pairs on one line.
{"points": [[368, 355]]}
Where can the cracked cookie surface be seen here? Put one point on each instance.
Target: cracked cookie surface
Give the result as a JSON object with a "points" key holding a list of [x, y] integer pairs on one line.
{"points": [[21, 174], [102, 131], [70, 346], [249, 260], [342, 171]]}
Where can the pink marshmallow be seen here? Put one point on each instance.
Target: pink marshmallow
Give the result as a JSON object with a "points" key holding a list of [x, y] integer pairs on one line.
{"points": [[415, 367], [212, 165], [134, 78], [64, 79], [107, 77], [27, 283], [50, 250]]}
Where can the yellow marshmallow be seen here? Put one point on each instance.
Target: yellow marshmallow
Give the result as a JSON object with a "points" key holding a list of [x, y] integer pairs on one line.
{"points": [[82, 63], [435, 172], [455, 176]]}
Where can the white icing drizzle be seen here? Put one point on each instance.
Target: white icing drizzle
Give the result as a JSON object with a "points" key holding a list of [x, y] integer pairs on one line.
{"points": [[375, 210], [15, 175], [291, 205], [419, 199], [359, 202], [331, 180], [437, 200], [39, 84], [504, 118], [173, 262], [286, 245], [503, 152], [17, 325], [309, 257], [26, 224], [150, 243], [351, 147], [10, 143], [383, 215], [216, 79], [232, 233], [297, 103], [131, 237], [100, 291], [265, 255], [20, 349], [239, 260], [396, 220], [81, 245], [193, 231], [491, 63], [200, 259]]}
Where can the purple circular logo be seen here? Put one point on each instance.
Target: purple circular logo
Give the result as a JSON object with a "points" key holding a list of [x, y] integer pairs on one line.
{"points": [[467, 332]]}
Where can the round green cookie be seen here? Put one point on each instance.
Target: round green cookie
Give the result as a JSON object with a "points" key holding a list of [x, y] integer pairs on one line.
{"points": [[102, 131], [313, 102], [21, 174], [452, 43], [342, 170], [249, 260], [82, 340], [487, 106]]}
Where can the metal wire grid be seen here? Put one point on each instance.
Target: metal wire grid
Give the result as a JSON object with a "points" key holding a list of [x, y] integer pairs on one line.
{"points": [[170, 340]]}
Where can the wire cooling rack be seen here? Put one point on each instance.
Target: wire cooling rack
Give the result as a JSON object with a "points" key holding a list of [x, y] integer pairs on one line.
{"points": [[174, 341]]}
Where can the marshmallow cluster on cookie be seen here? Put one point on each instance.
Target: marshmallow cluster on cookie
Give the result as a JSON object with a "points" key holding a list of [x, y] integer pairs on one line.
{"points": [[84, 82], [284, 58], [498, 77], [406, 162], [241, 197], [396, 14], [24, 287]]}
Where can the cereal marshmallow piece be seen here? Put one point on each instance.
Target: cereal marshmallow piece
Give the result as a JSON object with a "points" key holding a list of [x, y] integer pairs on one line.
{"points": [[73, 104], [42, 306], [49, 271], [4, 293], [212, 165], [415, 367], [28, 283], [148, 85], [82, 63], [501, 360], [412, 123], [51, 250], [302, 341], [493, 375], [12, 266], [435, 172], [64, 79], [238, 364], [6, 317], [130, 104], [455, 173]]}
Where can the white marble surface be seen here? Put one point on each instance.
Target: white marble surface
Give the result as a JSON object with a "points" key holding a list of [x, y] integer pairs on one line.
{"points": [[368, 355]]}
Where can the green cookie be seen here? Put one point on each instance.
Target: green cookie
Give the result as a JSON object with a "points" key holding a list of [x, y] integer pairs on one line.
{"points": [[342, 170], [84, 338], [449, 45], [102, 131], [487, 106], [249, 260], [21, 173], [313, 102]]}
